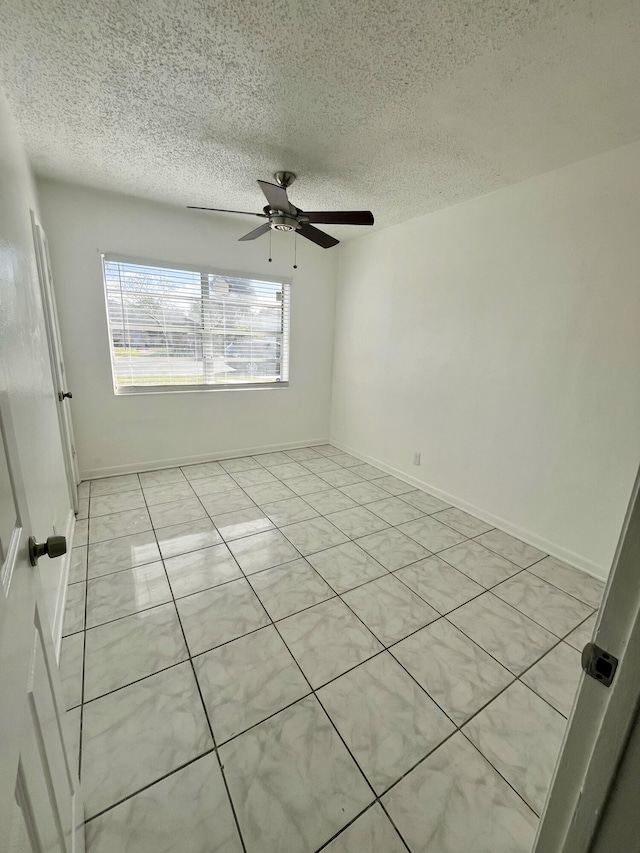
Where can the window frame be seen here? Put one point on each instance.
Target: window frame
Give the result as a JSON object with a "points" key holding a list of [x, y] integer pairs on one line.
{"points": [[129, 390]]}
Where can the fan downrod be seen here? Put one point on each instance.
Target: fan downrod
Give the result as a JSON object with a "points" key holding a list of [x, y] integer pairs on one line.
{"points": [[284, 179]]}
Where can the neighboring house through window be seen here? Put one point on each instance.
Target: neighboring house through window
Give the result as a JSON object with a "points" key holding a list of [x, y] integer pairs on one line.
{"points": [[190, 328]]}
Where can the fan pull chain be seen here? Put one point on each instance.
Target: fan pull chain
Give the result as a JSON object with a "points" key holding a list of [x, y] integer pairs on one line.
{"points": [[270, 233], [295, 250]]}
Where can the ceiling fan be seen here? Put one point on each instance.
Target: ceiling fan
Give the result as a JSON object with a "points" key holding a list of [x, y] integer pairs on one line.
{"points": [[284, 216]]}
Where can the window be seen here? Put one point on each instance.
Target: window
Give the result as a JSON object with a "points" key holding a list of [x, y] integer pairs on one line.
{"points": [[175, 328]]}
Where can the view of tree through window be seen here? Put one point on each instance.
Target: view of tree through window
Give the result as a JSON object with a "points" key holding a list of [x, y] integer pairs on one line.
{"points": [[191, 327]]}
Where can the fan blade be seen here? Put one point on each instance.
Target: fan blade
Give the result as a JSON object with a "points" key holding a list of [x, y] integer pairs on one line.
{"points": [[257, 232], [221, 210], [318, 236], [346, 217], [277, 197]]}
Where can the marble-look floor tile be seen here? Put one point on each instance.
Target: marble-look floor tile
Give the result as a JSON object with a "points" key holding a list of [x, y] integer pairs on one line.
{"points": [[120, 502], [313, 535], [545, 604], [288, 471], [128, 649], [423, 501], [431, 534], [248, 680], [441, 586], [74, 609], [292, 781], [182, 538], [81, 532], [346, 460], [287, 589], [112, 596], [114, 555], [308, 485], [328, 501], [394, 728], [367, 472], [365, 493], [579, 584], [583, 634], [83, 489], [394, 486], [73, 722], [221, 614], [327, 450], [188, 811], [556, 677], [479, 563], [216, 485], [163, 477], [254, 478], [239, 464], [520, 734], [113, 485], [393, 549], [266, 493], [83, 508], [177, 512], [200, 570], [155, 495], [395, 511], [461, 521], [320, 465], [299, 454], [118, 524], [262, 551], [78, 565], [346, 566], [510, 548], [389, 609], [371, 832], [341, 477], [288, 511], [357, 522], [327, 640], [230, 501], [454, 671], [454, 802], [138, 734], [508, 635], [202, 470], [71, 666], [242, 522], [268, 460]]}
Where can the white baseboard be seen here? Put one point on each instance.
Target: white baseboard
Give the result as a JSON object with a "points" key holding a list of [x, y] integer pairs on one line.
{"points": [[61, 595], [157, 464], [551, 548]]}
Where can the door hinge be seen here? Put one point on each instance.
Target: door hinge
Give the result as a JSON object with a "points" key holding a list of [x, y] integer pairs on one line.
{"points": [[599, 664]]}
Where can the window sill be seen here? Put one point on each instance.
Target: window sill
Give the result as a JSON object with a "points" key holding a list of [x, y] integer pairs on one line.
{"points": [[134, 390]]}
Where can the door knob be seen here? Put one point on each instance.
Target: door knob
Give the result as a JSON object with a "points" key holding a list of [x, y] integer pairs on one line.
{"points": [[63, 394], [55, 546]]}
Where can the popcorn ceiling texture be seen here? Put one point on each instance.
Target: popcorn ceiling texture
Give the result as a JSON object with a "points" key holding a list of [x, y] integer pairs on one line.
{"points": [[402, 107]]}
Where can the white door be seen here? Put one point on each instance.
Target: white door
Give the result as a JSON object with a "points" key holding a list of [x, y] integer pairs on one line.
{"points": [[57, 361], [40, 803]]}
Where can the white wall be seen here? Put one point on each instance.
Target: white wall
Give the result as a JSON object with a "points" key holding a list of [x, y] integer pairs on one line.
{"points": [[131, 432], [501, 339], [25, 371]]}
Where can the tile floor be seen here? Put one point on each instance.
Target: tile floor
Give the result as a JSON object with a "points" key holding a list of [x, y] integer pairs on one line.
{"points": [[295, 651]]}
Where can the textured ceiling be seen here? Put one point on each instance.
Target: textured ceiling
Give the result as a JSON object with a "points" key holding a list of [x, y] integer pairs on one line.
{"points": [[401, 107]]}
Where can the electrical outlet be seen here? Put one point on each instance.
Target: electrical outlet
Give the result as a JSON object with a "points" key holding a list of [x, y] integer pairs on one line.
{"points": [[416, 458]]}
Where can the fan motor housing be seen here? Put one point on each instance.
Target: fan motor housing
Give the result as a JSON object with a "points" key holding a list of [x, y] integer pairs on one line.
{"points": [[283, 222]]}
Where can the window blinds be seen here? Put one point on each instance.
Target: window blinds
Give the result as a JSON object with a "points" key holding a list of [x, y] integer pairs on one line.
{"points": [[193, 328]]}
